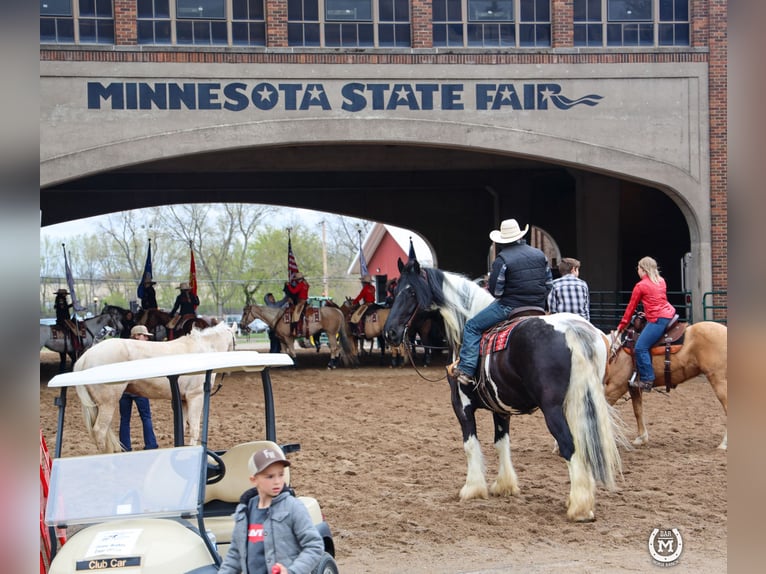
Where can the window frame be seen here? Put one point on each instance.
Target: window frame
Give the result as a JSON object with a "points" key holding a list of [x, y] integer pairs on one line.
{"points": [[362, 32], [610, 27], [78, 21], [464, 32]]}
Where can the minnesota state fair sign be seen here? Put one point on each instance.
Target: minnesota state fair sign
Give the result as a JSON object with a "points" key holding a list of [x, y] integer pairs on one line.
{"points": [[350, 97]]}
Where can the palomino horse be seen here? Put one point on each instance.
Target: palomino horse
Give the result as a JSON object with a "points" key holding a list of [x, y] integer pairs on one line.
{"points": [[99, 402], [703, 353], [552, 362], [92, 330], [327, 319], [373, 321]]}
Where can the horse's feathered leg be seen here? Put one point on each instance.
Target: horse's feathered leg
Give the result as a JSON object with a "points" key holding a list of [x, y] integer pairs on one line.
{"points": [[475, 482], [507, 483]]}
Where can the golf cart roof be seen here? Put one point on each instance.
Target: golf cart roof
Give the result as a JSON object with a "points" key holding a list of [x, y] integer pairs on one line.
{"points": [[168, 365]]}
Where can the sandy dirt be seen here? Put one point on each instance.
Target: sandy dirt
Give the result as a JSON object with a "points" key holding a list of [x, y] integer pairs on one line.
{"points": [[382, 452]]}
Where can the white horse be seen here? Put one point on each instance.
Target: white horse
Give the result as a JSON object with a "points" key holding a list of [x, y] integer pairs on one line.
{"points": [[99, 402], [92, 330]]}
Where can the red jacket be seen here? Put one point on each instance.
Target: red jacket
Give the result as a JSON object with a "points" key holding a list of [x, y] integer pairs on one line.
{"points": [[367, 294], [300, 290], [655, 299]]}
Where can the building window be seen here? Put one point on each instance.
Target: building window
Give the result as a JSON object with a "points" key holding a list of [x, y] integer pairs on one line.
{"points": [[492, 23], [631, 23], [202, 22], [348, 23], [77, 21]]}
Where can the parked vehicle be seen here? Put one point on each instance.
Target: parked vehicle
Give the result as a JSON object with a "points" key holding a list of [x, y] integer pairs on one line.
{"points": [[163, 510]]}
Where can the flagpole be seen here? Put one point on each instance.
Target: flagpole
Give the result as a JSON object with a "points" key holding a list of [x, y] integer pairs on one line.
{"points": [[325, 291]]}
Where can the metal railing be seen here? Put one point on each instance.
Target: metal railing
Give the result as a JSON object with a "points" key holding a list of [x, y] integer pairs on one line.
{"points": [[715, 306], [607, 307]]}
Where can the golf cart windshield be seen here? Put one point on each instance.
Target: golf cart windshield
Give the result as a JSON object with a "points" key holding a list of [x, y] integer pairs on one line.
{"points": [[149, 483]]}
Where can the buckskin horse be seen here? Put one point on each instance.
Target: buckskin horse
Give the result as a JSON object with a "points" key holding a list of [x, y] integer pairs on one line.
{"points": [[315, 320], [552, 362], [701, 351], [373, 321], [99, 402]]}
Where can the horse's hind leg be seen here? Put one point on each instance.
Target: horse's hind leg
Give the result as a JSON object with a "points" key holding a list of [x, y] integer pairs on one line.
{"points": [[720, 385], [582, 487], [636, 399], [507, 482]]}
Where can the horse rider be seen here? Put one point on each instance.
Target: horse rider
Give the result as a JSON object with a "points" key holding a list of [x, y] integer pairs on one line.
{"points": [[362, 301], [64, 317], [149, 298], [186, 304], [297, 289], [520, 277]]}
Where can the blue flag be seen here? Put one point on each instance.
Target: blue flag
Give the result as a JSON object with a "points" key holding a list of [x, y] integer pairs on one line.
{"points": [[362, 263], [147, 276]]}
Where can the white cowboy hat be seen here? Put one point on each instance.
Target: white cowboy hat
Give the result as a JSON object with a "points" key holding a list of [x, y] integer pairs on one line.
{"points": [[298, 275], [184, 286], [366, 279], [509, 232], [140, 330]]}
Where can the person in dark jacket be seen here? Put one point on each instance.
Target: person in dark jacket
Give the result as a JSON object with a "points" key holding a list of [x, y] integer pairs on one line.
{"points": [[149, 298], [273, 531], [520, 277]]}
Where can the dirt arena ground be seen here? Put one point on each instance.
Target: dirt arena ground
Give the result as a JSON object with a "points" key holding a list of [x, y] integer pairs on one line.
{"points": [[382, 452]]}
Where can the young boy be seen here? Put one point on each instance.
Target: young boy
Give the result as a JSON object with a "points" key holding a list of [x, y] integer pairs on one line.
{"points": [[272, 528]]}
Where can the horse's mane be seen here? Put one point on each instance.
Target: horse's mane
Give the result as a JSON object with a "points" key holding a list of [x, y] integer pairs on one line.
{"points": [[457, 298]]}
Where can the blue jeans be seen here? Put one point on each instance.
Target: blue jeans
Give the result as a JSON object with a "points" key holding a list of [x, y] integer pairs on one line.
{"points": [[474, 327], [648, 337], [126, 409]]}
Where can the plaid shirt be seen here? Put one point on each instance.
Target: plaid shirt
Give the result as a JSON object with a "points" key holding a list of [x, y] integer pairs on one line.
{"points": [[569, 295]]}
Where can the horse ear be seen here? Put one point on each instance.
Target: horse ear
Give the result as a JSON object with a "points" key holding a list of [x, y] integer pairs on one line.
{"points": [[401, 265]]}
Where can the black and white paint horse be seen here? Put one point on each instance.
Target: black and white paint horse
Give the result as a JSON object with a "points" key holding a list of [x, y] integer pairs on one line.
{"points": [[552, 362]]}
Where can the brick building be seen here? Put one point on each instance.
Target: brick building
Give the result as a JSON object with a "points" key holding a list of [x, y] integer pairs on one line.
{"points": [[600, 122]]}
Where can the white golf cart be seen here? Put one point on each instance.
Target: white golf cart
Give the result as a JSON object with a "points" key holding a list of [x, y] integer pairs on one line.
{"points": [[167, 510]]}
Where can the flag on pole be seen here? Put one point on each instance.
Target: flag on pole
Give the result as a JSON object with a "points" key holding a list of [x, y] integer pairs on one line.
{"points": [[292, 266], [412, 251], [147, 276], [70, 282], [192, 273], [362, 263]]}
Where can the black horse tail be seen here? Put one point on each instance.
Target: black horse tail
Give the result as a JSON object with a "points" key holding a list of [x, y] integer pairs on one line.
{"points": [[349, 355], [595, 425]]}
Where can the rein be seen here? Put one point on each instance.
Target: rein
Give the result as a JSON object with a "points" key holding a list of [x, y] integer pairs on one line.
{"points": [[412, 361]]}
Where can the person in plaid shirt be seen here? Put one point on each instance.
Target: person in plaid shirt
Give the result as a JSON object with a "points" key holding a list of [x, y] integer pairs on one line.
{"points": [[569, 294]]}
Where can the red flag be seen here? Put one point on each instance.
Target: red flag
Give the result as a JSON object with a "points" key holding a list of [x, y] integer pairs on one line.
{"points": [[292, 266], [193, 274]]}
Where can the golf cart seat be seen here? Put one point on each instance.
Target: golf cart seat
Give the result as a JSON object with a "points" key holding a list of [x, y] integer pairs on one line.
{"points": [[221, 498]]}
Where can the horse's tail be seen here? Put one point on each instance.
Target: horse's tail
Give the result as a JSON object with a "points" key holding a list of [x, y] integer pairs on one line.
{"points": [[595, 426], [349, 355], [89, 414]]}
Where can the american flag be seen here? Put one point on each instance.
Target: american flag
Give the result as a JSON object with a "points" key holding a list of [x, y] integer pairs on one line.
{"points": [[292, 266]]}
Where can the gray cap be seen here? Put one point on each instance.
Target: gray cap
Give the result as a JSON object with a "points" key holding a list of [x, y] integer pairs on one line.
{"points": [[262, 459]]}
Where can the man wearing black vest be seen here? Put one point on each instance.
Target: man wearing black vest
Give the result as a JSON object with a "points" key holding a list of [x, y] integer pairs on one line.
{"points": [[520, 277]]}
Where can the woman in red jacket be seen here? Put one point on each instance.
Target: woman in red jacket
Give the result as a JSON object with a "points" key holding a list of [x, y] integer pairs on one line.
{"points": [[365, 298], [652, 292]]}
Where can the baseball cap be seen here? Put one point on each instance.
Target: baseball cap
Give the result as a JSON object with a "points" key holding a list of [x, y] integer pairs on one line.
{"points": [[262, 459]]}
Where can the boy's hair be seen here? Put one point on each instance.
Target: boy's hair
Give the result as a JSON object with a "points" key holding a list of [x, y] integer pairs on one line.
{"points": [[567, 264]]}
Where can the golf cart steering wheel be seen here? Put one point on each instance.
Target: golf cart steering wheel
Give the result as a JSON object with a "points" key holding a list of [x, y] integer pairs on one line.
{"points": [[216, 470]]}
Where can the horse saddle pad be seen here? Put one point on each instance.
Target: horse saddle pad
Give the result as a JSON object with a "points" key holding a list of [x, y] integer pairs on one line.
{"points": [[496, 338]]}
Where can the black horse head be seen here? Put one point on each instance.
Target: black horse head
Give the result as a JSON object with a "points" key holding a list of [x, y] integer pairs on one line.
{"points": [[418, 288]]}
